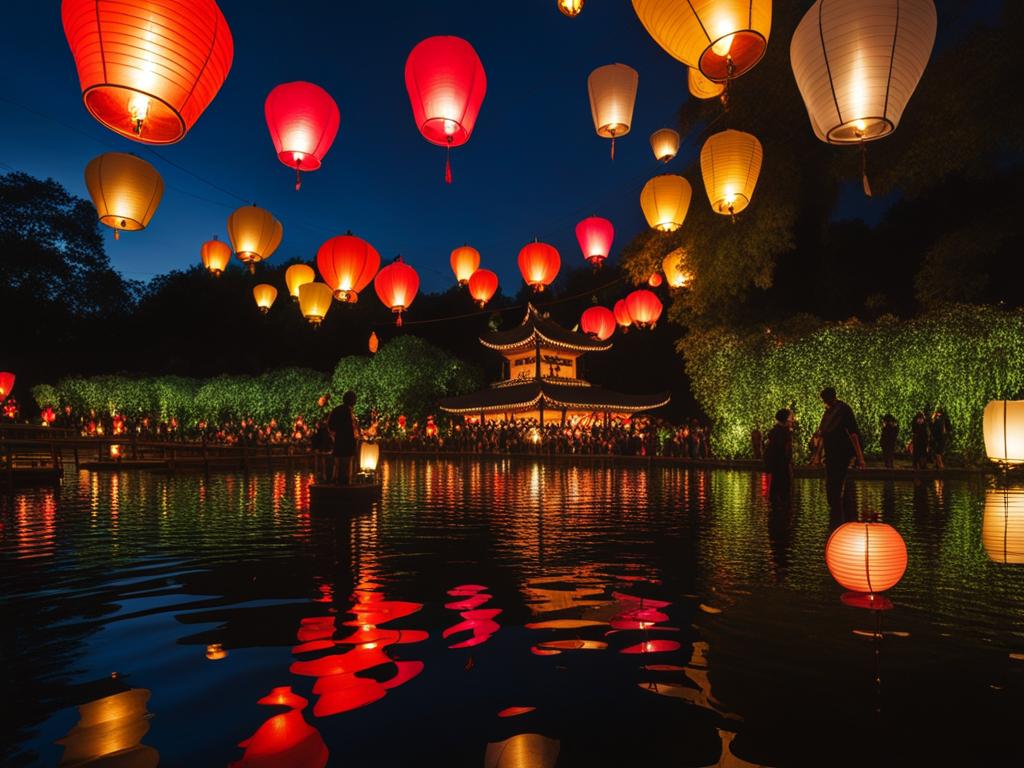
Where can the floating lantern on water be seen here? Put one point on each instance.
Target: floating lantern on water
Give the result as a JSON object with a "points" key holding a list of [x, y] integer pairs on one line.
{"points": [[396, 286], [347, 263], [570, 8], [125, 189], [598, 322], [866, 557], [369, 457], [702, 88], [265, 296], [730, 162], [314, 301], [1002, 525], [6, 384], [483, 284], [674, 267], [644, 308], [215, 255], [1003, 427], [298, 275], [665, 144], [303, 120], [612, 90], [621, 312], [595, 236], [665, 199], [254, 233], [539, 264], [465, 261]]}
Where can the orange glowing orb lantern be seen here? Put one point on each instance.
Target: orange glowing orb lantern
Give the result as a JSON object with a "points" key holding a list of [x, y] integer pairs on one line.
{"points": [[297, 275], [665, 144], [396, 286], [125, 189], [6, 384], [483, 284], [115, 451], [866, 557], [255, 234], [347, 263], [598, 322], [644, 308], [595, 238], [654, 280], [465, 261], [446, 84], [215, 255], [621, 312], [314, 301], [665, 201], [675, 269], [303, 120], [570, 8], [265, 295], [374, 343], [48, 416], [539, 264], [148, 68], [730, 162]]}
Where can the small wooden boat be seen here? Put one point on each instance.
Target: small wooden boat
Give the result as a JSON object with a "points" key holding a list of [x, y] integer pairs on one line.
{"points": [[333, 497]]}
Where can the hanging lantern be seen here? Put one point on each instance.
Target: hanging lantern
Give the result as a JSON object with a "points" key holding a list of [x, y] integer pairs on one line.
{"points": [[369, 457], [148, 69], [674, 267], [730, 162], [644, 308], [303, 120], [314, 301], [1002, 525], [702, 88], [866, 557], [570, 8], [125, 190], [621, 312], [265, 296], [539, 264], [482, 286], [396, 286], [595, 238], [298, 275], [665, 144], [215, 255], [654, 280], [1003, 427], [598, 322], [665, 199], [255, 234], [347, 263], [6, 384], [465, 261], [721, 38], [612, 90], [374, 343], [446, 84]]}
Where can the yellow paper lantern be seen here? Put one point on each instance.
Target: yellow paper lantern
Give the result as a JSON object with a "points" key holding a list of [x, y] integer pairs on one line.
{"points": [[298, 275], [1002, 424], [465, 260], [255, 234], [612, 90], [215, 256], [265, 296], [665, 199], [125, 190], [674, 267], [665, 144], [721, 38], [314, 301], [857, 63], [702, 88], [730, 162], [369, 456], [1002, 525], [570, 8]]}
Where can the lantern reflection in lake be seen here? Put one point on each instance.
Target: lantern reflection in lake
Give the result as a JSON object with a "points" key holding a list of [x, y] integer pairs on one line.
{"points": [[284, 739], [479, 621], [110, 731], [1002, 525]]}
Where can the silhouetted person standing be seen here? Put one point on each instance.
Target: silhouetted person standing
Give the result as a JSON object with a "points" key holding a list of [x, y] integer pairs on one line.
{"points": [[890, 436], [940, 429], [840, 440], [343, 424], [919, 440], [778, 457]]}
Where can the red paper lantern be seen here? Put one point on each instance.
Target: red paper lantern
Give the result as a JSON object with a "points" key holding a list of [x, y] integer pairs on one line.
{"points": [[303, 120], [866, 557], [148, 68], [347, 263], [483, 284], [598, 322], [6, 384], [446, 84], [595, 236], [654, 280], [539, 264], [621, 312], [643, 307], [396, 286]]}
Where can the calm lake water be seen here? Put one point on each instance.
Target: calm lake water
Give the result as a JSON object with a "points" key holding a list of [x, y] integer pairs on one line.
{"points": [[639, 616]]}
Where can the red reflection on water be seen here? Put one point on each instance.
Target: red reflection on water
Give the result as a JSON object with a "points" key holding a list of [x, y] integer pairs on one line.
{"points": [[474, 619], [652, 646], [36, 525], [513, 711], [285, 739]]}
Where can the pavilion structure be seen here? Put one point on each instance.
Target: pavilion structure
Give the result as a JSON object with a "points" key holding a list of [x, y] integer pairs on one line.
{"points": [[541, 380]]}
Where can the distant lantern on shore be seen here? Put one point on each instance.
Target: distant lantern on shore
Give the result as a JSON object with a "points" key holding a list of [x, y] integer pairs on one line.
{"points": [[255, 234], [396, 286], [595, 236], [303, 121], [446, 83], [570, 8], [721, 38], [1002, 525], [369, 456], [539, 264], [374, 343], [347, 263], [483, 284], [621, 312], [598, 322], [866, 557], [148, 69], [655, 279], [125, 190], [612, 90], [730, 162], [314, 301], [665, 199], [665, 144], [6, 384], [1003, 427], [265, 296], [644, 308], [298, 275], [215, 255], [674, 267], [465, 260], [702, 88]]}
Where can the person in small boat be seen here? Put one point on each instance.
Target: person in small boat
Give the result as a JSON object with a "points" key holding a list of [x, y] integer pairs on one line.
{"points": [[345, 428]]}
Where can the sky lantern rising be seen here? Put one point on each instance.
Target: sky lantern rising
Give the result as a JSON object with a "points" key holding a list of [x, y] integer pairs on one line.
{"points": [[255, 234], [595, 236], [866, 557], [347, 263], [314, 301], [446, 84], [215, 255], [570, 8], [396, 286], [297, 275], [483, 284], [702, 88], [621, 312], [665, 199], [465, 261], [598, 322], [644, 308], [6, 384], [665, 144], [655, 279], [148, 68], [303, 120], [730, 162], [612, 90], [674, 267], [265, 296], [125, 190], [539, 264]]}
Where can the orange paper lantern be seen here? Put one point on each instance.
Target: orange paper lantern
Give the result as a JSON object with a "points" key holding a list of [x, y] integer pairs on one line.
{"points": [[303, 120], [598, 322], [298, 275], [654, 280], [465, 261], [347, 263], [539, 264], [482, 286], [265, 295], [374, 343], [866, 557], [215, 255], [644, 308], [621, 312], [125, 189], [595, 238], [396, 286], [255, 234]]}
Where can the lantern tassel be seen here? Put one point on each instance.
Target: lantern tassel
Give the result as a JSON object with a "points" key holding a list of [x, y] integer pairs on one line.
{"points": [[613, 146], [117, 234], [864, 169], [448, 163], [398, 322], [298, 179]]}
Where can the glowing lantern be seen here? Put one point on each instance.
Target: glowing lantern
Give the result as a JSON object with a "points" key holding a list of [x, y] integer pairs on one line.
{"points": [[1003, 427], [539, 264], [621, 312], [446, 84], [721, 38], [215, 255], [314, 301], [665, 144], [374, 343], [1002, 525], [598, 322], [396, 286], [216, 652], [702, 88], [369, 457], [654, 280], [303, 120], [665, 199], [612, 90], [347, 263], [595, 238], [115, 451], [6, 384], [48, 416], [125, 190], [148, 69], [644, 308], [730, 162], [298, 275], [255, 234], [674, 267], [265, 296], [570, 8], [465, 261], [866, 557], [482, 286]]}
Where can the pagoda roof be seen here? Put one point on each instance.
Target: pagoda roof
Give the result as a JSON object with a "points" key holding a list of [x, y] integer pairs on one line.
{"points": [[555, 396], [551, 334]]}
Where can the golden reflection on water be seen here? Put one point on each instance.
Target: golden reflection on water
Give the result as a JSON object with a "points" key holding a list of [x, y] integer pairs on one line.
{"points": [[110, 732]]}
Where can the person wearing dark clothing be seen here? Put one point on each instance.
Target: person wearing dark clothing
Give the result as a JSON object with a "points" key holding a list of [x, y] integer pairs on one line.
{"points": [[778, 457], [890, 436], [919, 440], [757, 443], [345, 428], [940, 429], [840, 442], [322, 445]]}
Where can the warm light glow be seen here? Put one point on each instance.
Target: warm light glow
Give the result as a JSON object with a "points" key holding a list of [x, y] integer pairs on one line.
{"points": [[347, 263], [866, 557], [303, 121], [314, 301], [446, 84], [570, 8], [1003, 427], [374, 343], [644, 308], [674, 267], [598, 322], [369, 456], [265, 296], [215, 255], [1002, 525], [539, 264], [702, 88], [115, 451], [721, 47], [665, 144], [254, 233], [612, 90], [483, 284], [665, 199], [125, 189], [6, 384], [730, 162], [465, 260], [216, 652], [396, 286], [654, 280], [621, 312], [595, 236], [298, 275]]}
